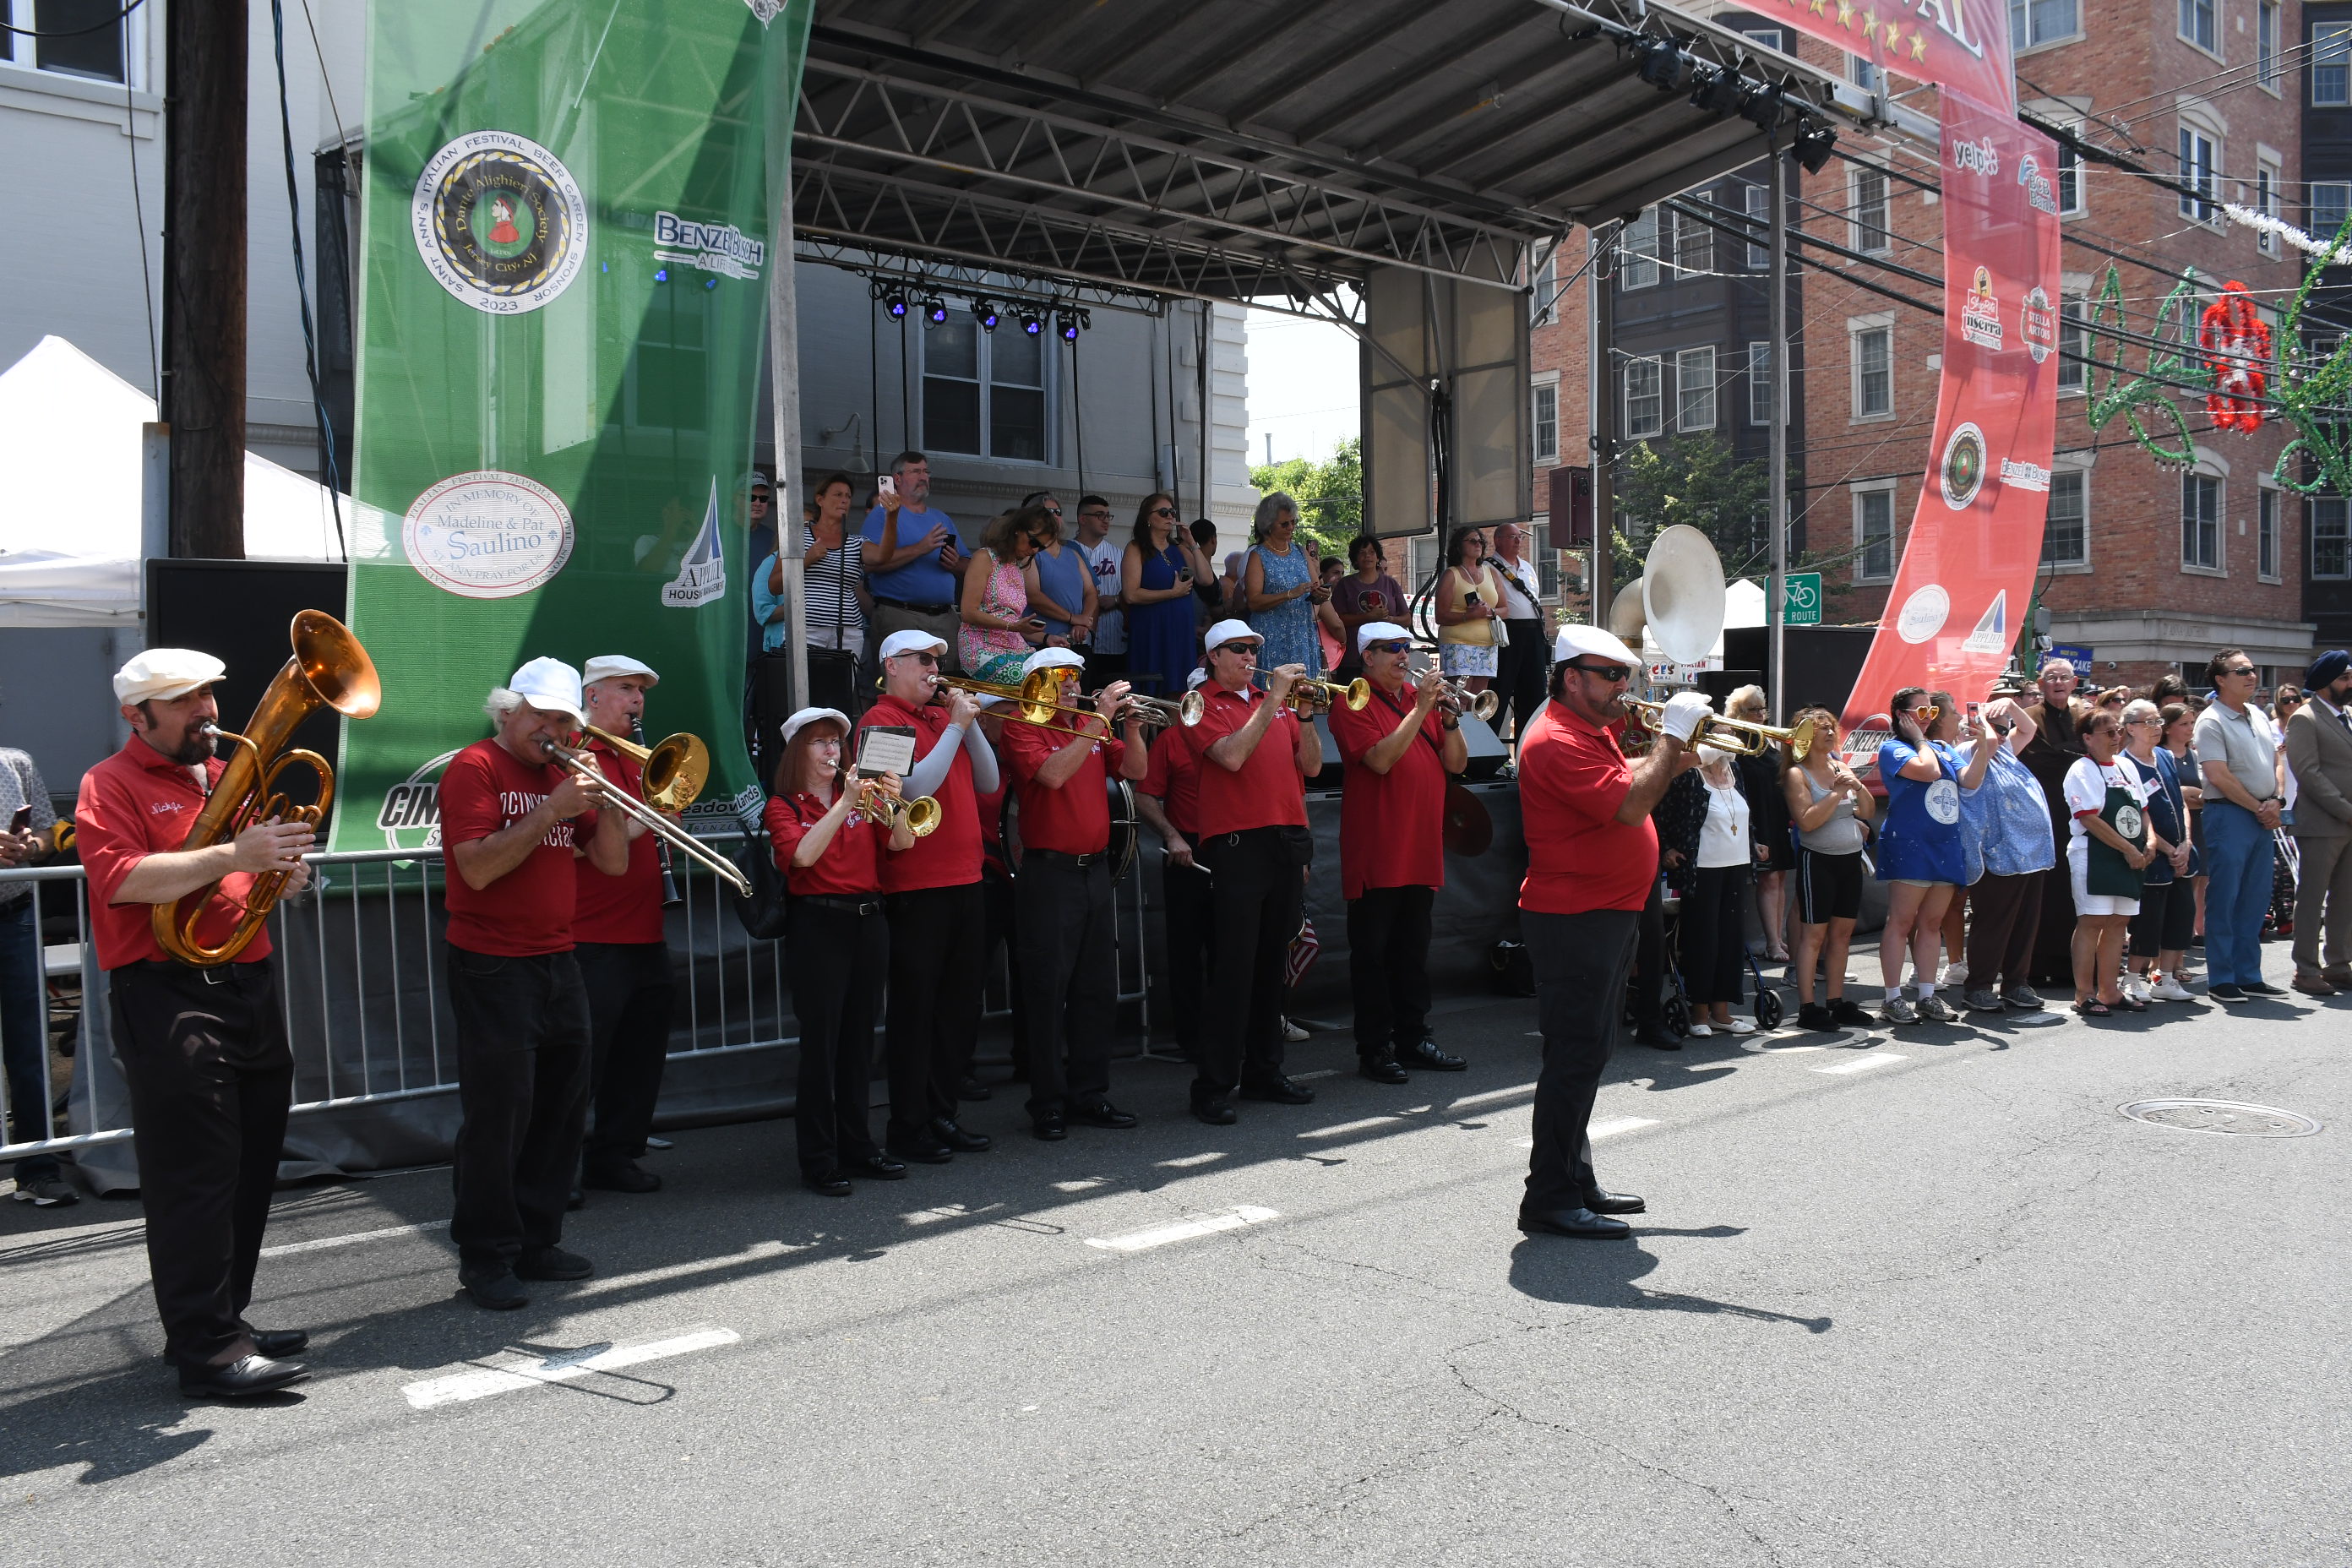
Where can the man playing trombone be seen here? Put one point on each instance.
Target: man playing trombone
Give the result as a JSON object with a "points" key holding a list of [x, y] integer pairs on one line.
{"points": [[1399, 748], [514, 817], [1061, 771]]}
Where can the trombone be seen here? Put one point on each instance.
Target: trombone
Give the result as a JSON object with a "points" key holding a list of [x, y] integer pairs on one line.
{"points": [[1741, 737], [660, 826], [922, 813], [675, 770]]}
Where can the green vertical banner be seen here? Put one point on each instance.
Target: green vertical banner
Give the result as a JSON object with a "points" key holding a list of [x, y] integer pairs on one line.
{"points": [[562, 295]]}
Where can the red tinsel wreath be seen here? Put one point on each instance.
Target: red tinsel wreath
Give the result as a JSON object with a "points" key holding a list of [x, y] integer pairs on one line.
{"points": [[2237, 344]]}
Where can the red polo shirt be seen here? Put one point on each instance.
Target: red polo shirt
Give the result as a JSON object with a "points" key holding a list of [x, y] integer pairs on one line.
{"points": [[133, 804], [1392, 824], [1573, 778], [626, 908], [1268, 791], [1173, 777], [850, 866], [1076, 818], [528, 911], [949, 856]]}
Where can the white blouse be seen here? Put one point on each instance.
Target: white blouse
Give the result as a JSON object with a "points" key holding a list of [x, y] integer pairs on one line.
{"points": [[1724, 840]]}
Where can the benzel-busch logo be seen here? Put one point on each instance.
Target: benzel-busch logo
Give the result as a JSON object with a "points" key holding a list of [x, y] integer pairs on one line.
{"points": [[1976, 158], [2039, 192]]}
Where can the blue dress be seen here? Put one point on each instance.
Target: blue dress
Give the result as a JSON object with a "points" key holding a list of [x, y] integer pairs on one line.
{"points": [[1161, 648], [1287, 630], [1920, 839]]}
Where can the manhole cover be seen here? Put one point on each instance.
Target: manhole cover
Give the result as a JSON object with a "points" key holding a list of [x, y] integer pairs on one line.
{"points": [[2222, 1116]]}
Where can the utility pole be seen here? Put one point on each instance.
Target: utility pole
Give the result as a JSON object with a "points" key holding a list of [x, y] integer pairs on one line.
{"points": [[1600, 404], [1777, 592], [203, 395]]}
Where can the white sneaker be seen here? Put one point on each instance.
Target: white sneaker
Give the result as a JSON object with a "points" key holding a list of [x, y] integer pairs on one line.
{"points": [[1292, 1032], [1955, 977], [1701, 1032], [1738, 1027], [2171, 990]]}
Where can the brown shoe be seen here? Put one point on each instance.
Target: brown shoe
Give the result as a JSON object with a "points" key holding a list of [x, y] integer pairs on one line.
{"points": [[2312, 985], [2338, 976]]}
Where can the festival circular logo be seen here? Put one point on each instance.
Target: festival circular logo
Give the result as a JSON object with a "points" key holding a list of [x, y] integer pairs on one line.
{"points": [[487, 535], [1923, 614], [1944, 801], [1963, 467], [2038, 324], [501, 225], [2127, 820]]}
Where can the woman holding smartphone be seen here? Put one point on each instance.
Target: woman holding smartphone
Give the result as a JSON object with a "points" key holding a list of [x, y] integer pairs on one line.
{"points": [[1282, 589], [1469, 605], [997, 630], [1156, 576]]}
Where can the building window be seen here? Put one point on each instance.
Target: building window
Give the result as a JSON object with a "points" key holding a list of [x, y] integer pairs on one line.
{"points": [[1546, 422], [1864, 74], [1546, 299], [1873, 371], [1694, 389], [1874, 535], [2267, 202], [2200, 523], [2200, 166], [100, 54], [2197, 24], [2331, 538], [1646, 398], [2331, 200], [2331, 63], [2266, 535], [2070, 179], [1866, 208], [2074, 344], [1693, 245], [2266, 44], [984, 393], [1760, 384], [2067, 536], [2037, 22], [1768, 37], [1639, 265], [1758, 202]]}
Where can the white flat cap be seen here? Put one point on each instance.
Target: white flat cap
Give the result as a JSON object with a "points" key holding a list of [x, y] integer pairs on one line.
{"points": [[911, 641], [550, 686], [1224, 632], [1372, 632], [1581, 641], [1051, 658], [165, 673], [605, 666], [808, 715]]}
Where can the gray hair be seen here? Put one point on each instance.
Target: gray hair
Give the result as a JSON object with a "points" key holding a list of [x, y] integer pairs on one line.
{"points": [[1269, 510], [501, 703], [2141, 708]]}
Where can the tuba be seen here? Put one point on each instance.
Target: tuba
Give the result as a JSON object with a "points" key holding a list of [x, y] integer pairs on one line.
{"points": [[329, 670]]}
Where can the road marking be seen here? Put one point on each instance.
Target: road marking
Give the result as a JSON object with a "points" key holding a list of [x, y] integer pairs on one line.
{"points": [[1344, 1128], [1607, 1127], [515, 1370], [323, 1242], [1862, 1063], [1184, 1230], [1783, 1050], [1086, 1185], [1469, 1100], [1319, 1072], [1183, 1161]]}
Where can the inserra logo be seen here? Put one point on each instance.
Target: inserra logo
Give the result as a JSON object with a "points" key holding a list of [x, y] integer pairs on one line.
{"points": [[1980, 313], [501, 223]]}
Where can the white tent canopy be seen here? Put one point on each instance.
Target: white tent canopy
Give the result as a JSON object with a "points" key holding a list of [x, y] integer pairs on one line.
{"points": [[71, 499]]}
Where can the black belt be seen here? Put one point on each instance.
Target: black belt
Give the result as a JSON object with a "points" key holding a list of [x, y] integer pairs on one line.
{"points": [[1236, 837], [867, 904], [919, 609], [1081, 861], [211, 974]]}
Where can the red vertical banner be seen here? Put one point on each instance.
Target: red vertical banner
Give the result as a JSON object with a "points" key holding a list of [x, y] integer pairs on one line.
{"points": [[1967, 575]]}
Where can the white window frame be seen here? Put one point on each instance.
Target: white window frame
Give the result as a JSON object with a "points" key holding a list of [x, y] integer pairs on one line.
{"points": [[2197, 147], [1694, 241], [2073, 193], [2341, 191], [2184, 15], [2266, 198], [1855, 330], [1863, 496], [1860, 234], [2270, 533], [1638, 250], [1546, 299], [1757, 202], [2220, 565], [1771, 38], [2073, 337], [1695, 381], [2270, 17], [2331, 52], [1652, 368], [2020, 24], [23, 53], [1544, 387], [984, 361], [1860, 70], [2338, 527], [1760, 382], [2079, 478]]}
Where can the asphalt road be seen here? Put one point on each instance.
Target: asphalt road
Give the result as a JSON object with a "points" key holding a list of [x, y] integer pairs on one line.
{"points": [[1920, 1300]]}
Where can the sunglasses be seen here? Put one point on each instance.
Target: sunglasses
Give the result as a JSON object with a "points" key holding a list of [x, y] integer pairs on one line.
{"points": [[1238, 647], [1386, 647], [928, 660], [760, 500], [2240, 669], [1926, 710], [1163, 512], [1605, 671]]}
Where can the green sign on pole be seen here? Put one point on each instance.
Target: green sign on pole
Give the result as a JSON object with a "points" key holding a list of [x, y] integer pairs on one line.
{"points": [[1800, 601]]}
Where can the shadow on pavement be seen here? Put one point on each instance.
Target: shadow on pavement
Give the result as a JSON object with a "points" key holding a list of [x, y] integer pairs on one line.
{"points": [[1602, 1274]]}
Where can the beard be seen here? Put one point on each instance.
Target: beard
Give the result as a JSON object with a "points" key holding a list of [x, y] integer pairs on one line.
{"points": [[194, 750]]}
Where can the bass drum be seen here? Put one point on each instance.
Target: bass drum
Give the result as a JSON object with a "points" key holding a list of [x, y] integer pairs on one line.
{"points": [[1124, 823]]}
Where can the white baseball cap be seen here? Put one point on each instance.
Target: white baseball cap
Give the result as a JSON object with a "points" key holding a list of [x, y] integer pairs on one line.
{"points": [[164, 673], [808, 715], [1051, 658], [605, 666], [911, 641], [1577, 641], [1224, 632], [550, 686], [1372, 632]]}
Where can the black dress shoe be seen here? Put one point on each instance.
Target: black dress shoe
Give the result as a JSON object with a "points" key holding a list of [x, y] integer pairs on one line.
{"points": [[945, 1129], [1423, 1056], [1582, 1223], [923, 1151], [1216, 1112], [832, 1185], [1102, 1113], [880, 1167], [971, 1087], [626, 1177], [1656, 1039], [498, 1292], [240, 1379], [1280, 1089], [1615, 1203], [576, 1200], [1382, 1069], [279, 1343], [2262, 988], [1048, 1127], [551, 1263]]}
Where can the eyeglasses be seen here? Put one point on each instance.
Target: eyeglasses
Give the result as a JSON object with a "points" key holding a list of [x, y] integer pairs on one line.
{"points": [[2141, 723], [1386, 647], [1605, 671]]}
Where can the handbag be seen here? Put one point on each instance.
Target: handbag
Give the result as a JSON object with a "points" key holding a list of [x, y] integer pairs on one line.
{"points": [[765, 912]]}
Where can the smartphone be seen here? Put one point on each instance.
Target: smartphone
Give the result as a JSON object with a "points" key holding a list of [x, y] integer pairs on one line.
{"points": [[884, 484], [1471, 597], [23, 821]]}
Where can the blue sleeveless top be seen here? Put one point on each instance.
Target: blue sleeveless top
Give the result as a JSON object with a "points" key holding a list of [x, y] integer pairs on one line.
{"points": [[1919, 840]]}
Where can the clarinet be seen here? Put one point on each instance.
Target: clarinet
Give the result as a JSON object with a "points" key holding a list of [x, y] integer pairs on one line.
{"points": [[671, 897]]}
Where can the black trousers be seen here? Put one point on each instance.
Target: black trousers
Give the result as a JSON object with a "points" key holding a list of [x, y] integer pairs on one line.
{"points": [[629, 995], [1255, 894], [1185, 890], [835, 960], [1388, 967], [2004, 918], [1648, 981], [523, 1042], [935, 946], [1714, 937], [210, 1075], [1580, 960], [1523, 665], [1070, 976], [997, 927], [2166, 922]]}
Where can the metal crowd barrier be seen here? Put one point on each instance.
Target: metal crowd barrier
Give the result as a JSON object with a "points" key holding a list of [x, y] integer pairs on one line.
{"points": [[361, 964]]}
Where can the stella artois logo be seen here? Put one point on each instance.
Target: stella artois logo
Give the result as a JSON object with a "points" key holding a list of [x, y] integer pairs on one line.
{"points": [[501, 225], [1980, 313], [2037, 323], [1963, 467]]}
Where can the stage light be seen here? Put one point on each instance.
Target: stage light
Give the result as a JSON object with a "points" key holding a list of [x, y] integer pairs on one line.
{"points": [[1762, 108], [984, 312], [1032, 323], [711, 283], [661, 274], [1815, 143], [1070, 323], [1662, 63], [895, 302], [935, 311], [1717, 91]]}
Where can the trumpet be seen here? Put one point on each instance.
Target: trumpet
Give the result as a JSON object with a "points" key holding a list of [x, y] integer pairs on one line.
{"points": [[675, 770], [922, 813], [1741, 737], [1462, 699], [1310, 696], [653, 822]]}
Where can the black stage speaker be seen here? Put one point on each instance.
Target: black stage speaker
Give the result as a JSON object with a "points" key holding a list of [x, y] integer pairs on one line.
{"points": [[241, 613], [1824, 662]]}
